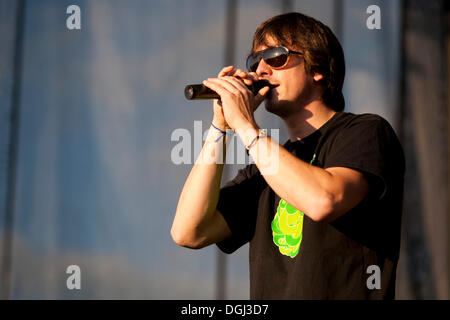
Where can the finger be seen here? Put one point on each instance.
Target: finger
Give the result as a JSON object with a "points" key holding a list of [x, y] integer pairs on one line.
{"points": [[243, 76], [259, 96], [254, 76], [241, 89], [227, 85], [222, 87], [262, 93], [247, 93], [247, 75], [238, 84], [239, 73], [246, 78], [225, 71]]}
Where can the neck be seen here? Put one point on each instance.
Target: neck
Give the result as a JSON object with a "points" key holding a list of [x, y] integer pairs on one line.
{"points": [[307, 120]]}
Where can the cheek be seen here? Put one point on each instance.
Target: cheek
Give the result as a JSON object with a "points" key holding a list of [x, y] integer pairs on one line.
{"points": [[295, 87]]}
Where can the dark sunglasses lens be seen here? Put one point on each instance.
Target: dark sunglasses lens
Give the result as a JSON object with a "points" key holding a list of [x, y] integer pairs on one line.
{"points": [[277, 62], [276, 57], [253, 62]]}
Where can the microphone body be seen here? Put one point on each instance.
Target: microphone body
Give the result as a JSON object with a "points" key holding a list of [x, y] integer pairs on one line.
{"points": [[201, 92]]}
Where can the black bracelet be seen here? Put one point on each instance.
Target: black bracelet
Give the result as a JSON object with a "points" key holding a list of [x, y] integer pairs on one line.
{"points": [[262, 133]]}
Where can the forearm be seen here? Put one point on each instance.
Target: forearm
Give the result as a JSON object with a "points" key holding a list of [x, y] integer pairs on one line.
{"points": [[200, 194], [306, 187]]}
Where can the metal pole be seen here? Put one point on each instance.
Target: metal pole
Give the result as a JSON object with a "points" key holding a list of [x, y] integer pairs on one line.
{"points": [[229, 58], [12, 152], [338, 18], [447, 61]]}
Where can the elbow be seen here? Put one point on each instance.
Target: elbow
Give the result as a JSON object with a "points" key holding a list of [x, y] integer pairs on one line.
{"points": [[184, 239], [176, 237], [323, 209]]}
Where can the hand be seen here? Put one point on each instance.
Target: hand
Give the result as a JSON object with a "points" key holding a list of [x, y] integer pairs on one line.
{"points": [[219, 118], [237, 101]]}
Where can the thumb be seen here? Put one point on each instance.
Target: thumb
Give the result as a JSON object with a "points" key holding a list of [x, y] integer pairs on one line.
{"points": [[261, 95]]}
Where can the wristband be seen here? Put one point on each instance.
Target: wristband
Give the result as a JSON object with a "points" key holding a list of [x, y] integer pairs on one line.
{"points": [[262, 133], [221, 131]]}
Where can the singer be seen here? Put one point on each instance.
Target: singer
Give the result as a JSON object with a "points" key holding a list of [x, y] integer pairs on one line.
{"points": [[326, 223]]}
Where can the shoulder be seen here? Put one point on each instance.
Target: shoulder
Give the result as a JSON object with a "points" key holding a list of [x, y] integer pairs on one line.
{"points": [[369, 136], [348, 120], [364, 126]]}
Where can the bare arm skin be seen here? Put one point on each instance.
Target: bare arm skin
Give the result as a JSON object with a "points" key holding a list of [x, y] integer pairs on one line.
{"points": [[197, 223], [322, 194]]}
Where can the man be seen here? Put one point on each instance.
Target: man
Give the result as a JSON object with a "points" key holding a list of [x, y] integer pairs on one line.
{"points": [[325, 224]]}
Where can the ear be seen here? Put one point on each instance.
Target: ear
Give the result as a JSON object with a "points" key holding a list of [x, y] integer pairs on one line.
{"points": [[317, 77]]}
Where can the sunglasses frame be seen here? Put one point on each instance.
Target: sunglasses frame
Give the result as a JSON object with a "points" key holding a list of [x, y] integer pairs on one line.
{"points": [[260, 55]]}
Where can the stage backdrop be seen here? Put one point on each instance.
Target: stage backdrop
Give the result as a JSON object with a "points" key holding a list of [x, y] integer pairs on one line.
{"points": [[87, 176]]}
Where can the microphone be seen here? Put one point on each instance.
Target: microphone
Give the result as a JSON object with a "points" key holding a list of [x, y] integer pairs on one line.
{"points": [[201, 92]]}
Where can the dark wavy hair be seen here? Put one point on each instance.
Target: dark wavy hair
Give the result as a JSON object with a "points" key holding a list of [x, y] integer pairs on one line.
{"points": [[321, 50]]}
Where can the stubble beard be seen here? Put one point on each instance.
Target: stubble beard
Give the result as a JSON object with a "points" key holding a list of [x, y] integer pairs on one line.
{"points": [[285, 108], [281, 108]]}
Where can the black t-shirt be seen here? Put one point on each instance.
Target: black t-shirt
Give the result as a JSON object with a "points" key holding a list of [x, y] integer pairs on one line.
{"points": [[293, 257]]}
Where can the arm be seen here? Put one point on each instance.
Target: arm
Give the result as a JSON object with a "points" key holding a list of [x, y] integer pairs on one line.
{"points": [[322, 194], [197, 223]]}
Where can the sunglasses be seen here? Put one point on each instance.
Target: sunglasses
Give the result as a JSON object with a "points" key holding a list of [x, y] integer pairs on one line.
{"points": [[275, 57]]}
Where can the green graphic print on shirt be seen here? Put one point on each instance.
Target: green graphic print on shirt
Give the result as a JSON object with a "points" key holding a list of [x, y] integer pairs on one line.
{"points": [[287, 229]]}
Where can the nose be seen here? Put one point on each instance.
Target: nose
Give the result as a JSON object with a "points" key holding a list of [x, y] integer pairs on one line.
{"points": [[263, 69]]}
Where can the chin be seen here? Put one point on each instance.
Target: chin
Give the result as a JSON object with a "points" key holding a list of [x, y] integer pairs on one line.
{"points": [[279, 106], [272, 103], [271, 106], [276, 107]]}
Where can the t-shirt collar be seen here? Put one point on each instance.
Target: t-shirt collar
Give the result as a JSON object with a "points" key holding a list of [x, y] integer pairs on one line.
{"points": [[290, 145]]}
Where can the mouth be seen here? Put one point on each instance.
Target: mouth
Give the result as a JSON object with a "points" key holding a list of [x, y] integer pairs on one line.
{"points": [[269, 84], [264, 83]]}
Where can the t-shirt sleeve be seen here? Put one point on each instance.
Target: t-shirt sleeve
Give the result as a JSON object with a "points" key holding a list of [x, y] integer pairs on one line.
{"points": [[238, 204], [368, 144]]}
